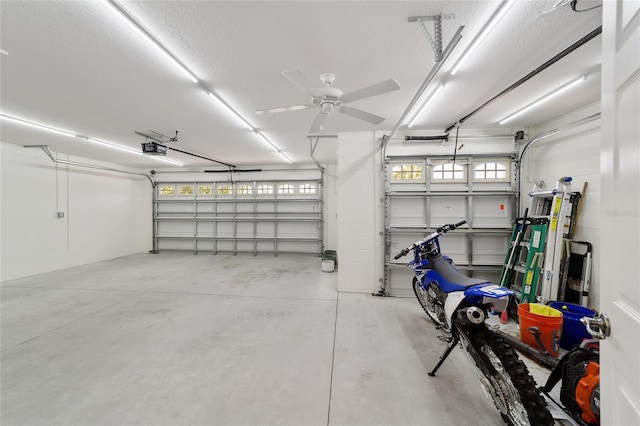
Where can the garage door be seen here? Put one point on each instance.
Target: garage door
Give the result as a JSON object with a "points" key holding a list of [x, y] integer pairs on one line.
{"points": [[423, 193], [239, 217]]}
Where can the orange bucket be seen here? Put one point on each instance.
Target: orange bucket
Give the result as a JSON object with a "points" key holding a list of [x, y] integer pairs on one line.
{"points": [[549, 322]]}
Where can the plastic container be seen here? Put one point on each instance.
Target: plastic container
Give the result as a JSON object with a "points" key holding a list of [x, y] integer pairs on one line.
{"points": [[549, 322], [330, 255], [573, 331], [328, 265]]}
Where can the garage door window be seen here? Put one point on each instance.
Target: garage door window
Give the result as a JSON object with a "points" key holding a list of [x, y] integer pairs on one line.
{"points": [[224, 189], [264, 189], [307, 188], [185, 190], [205, 190], [286, 189], [407, 172], [494, 171], [448, 172], [167, 190], [245, 190]]}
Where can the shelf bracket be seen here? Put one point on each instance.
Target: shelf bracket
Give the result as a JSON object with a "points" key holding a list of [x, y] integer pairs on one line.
{"points": [[436, 41]]}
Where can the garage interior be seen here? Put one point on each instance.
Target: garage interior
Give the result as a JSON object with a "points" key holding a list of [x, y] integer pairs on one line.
{"points": [[201, 201]]}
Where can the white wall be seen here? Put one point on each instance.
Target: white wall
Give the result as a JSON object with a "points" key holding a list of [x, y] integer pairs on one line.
{"points": [[359, 231], [106, 214], [574, 153], [330, 208]]}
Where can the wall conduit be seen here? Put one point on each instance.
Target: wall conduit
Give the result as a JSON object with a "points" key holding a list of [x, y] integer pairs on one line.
{"points": [[545, 135]]}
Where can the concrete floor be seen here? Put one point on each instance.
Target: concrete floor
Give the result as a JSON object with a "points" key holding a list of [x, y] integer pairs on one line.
{"points": [[178, 339]]}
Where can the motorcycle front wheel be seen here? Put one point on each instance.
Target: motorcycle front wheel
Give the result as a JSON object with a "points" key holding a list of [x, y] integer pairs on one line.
{"points": [[506, 379], [423, 299]]}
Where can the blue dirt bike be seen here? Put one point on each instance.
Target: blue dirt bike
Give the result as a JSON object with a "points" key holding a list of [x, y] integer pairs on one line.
{"points": [[459, 305]]}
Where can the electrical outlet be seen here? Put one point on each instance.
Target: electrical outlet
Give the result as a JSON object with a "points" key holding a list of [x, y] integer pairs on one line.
{"points": [[60, 215]]}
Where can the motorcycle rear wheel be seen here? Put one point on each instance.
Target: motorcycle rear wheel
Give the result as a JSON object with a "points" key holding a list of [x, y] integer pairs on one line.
{"points": [[512, 388]]}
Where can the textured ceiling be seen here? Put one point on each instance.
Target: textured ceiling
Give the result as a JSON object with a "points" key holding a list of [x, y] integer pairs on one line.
{"points": [[78, 67]]}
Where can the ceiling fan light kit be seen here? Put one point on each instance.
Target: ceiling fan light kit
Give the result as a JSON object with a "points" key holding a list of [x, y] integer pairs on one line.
{"points": [[329, 98]]}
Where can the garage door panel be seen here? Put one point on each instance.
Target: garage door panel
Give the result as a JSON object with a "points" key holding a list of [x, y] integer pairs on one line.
{"points": [[490, 249], [225, 229], [265, 208], [175, 244], [408, 211], [401, 282], [265, 246], [225, 246], [176, 228], [205, 245], [206, 229], [448, 210], [492, 211], [266, 229], [244, 246], [475, 193], [244, 229], [399, 241], [299, 229], [455, 246], [238, 217], [205, 208], [224, 208], [308, 247]]}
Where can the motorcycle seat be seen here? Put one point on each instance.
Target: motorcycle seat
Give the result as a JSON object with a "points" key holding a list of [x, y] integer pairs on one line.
{"points": [[452, 280]]}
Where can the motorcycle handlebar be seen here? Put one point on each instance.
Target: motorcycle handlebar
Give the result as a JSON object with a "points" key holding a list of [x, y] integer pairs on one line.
{"points": [[401, 254], [442, 230]]}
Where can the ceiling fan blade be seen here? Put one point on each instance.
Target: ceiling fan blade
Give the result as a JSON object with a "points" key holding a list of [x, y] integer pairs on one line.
{"points": [[362, 115], [301, 81], [316, 126], [375, 90], [282, 109]]}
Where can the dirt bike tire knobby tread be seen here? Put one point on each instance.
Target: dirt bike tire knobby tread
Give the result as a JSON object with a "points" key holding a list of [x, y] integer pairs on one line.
{"points": [[533, 402]]}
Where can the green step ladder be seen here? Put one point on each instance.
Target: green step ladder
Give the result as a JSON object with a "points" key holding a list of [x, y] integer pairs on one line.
{"points": [[524, 260]]}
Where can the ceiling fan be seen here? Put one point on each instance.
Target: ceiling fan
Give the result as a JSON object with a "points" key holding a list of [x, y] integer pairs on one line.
{"points": [[328, 98]]}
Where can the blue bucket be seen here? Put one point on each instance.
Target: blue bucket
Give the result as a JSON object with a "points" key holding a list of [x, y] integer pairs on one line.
{"points": [[573, 331]]}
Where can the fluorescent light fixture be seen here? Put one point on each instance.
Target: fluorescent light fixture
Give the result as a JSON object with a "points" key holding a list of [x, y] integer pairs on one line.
{"points": [[283, 155], [427, 102], [504, 8], [166, 160], [92, 140], [220, 101], [113, 145], [133, 151], [545, 98], [36, 125], [264, 138], [145, 34], [272, 146]]}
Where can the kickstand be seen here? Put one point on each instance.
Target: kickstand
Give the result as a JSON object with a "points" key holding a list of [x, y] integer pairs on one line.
{"points": [[444, 356]]}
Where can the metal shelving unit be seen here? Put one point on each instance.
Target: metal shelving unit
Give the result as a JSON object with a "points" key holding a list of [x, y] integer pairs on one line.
{"points": [[233, 222], [479, 247]]}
